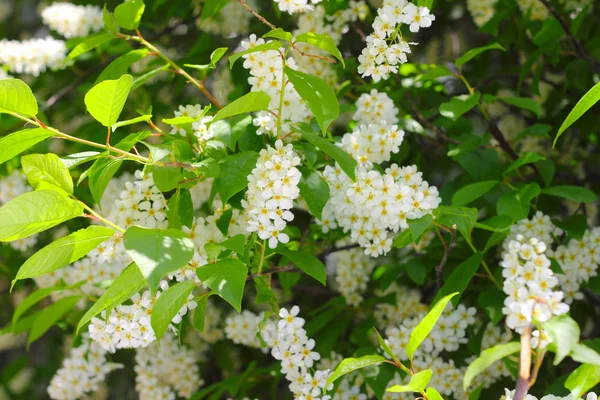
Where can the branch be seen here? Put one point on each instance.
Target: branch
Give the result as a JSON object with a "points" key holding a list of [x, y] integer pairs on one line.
{"points": [[439, 270], [321, 256], [524, 365]]}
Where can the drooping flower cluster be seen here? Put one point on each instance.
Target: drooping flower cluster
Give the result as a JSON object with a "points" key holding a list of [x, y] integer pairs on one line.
{"points": [[289, 344], [200, 127], [386, 48], [375, 107], [71, 20], [166, 371], [33, 56], [539, 226], [233, 19], [272, 188], [81, 372], [242, 328], [295, 6], [510, 395], [535, 9], [353, 269], [529, 283], [376, 205], [481, 10], [128, 326], [266, 70], [447, 334]]}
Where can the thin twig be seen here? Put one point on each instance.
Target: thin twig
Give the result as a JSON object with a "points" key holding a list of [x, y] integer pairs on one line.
{"points": [[439, 270], [524, 365]]}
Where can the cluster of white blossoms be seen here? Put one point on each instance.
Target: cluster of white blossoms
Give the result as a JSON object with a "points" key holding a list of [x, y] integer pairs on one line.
{"points": [[352, 271], [222, 83], [373, 143], [376, 205], [71, 20], [4, 74], [272, 188], [492, 336], [200, 128], [539, 226], [407, 304], [535, 9], [128, 326], [351, 386], [81, 372], [579, 261], [510, 395], [481, 10], [232, 20], [386, 47], [33, 56], [242, 328], [289, 344], [12, 186], [295, 6], [374, 107], [166, 371], [266, 70], [447, 334], [529, 283], [576, 6]]}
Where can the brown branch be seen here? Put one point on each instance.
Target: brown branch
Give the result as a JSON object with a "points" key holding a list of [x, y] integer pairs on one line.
{"points": [[524, 365], [424, 121], [439, 270]]}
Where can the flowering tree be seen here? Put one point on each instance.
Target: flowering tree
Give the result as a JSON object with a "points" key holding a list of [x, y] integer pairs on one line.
{"points": [[299, 199]]}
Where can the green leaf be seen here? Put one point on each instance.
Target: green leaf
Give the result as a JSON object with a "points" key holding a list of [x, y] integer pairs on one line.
{"points": [[575, 225], [89, 43], [166, 178], [458, 105], [141, 118], [385, 347], [487, 358], [517, 204], [233, 175], [318, 96], [469, 193], [17, 142], [230, 131], [47, 168], [64, 251], [120, 65], [236, 243], [523, 102], [200, 311], [583, 105], [417, 383], [352, 364], [278, 34], [417, 270], [527, 158], [17, 97], [314, 190], [345, 160], [73, 160], [35, 212], [272, 45], [323, 42], [180, 209], [583, 379], [459, 279], [168, 305], [126, 285], [106, 100], [33, 299], [492, 302], [308, 263], [469, 55], [403, 239], [497, 223], [420, 225], [433, 394], [158, 251], [422, 330], [463, 217], [110, 23], [100, 175], [227, 278], [50, 316], [212, 8], [264, 293], [140, 80], [565, 334], [129, 14], [574, 193], [215, 56], [583, 354], [250, 102]]}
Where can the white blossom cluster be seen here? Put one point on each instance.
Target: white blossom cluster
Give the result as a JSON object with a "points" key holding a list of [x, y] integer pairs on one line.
{"points": [[351, 386], [272, 188], [377, 205], [232, 20], [222, 83], [535, 9], [352, 271], [529, 283], [243, 328], [12, 186], [81, 372], [296, 6], [386, 47], [447, 334], [3, 74], [128, 326], [539, 226], [266, 70], [290, 345], [510, 395], [201, 127], [579, 261], [407, 304], [492, 336], [71, 20], [576, 6], [33, 56], [374, 107], [166, 371], [481, 10]]}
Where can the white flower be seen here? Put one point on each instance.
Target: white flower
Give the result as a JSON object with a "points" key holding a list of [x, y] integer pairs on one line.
{"points": [[33, 56], [73, 21]]}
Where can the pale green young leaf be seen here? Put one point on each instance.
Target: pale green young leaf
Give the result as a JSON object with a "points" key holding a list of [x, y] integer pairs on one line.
{"points": [[90, 43], [385, 346], [314, 190], [100, 174], [564, 332], [168, 305], [352, 364], [51, 314], [17, 97], [308, 263], [323, 42], [487, 358], [34, 298], [158, 251], [141, 118], [581, 380], [469, 55], [106, 100], [47, 168], [272, 45], [129, 14], [73, 160], [15, 143], [140, 80], [422, 330], [231, 130], [417, 383], [318, 96], [278, 34], [250, 102], [433, 394], [233, 175], [459, 105], [584, 354], [345, 160], [472, 192], [120, 65], [583, 105], [110, 23], [215, 56], [126, 285], [35, 212], [227, 278]]}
